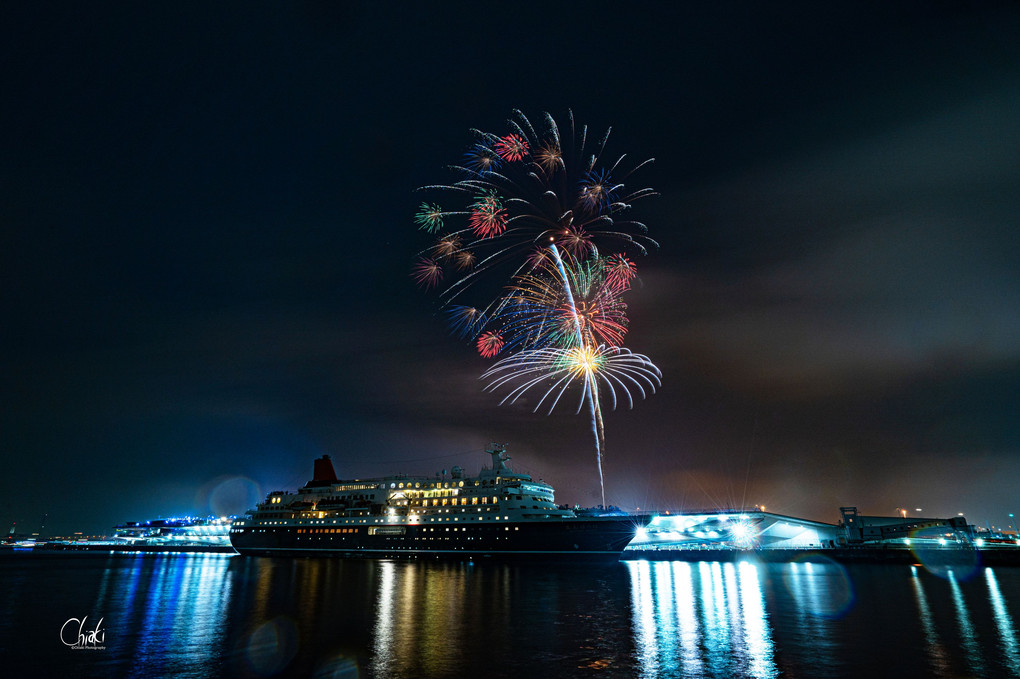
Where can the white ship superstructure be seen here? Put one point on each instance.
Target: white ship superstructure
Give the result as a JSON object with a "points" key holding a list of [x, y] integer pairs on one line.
{"points": [[498, 511]]}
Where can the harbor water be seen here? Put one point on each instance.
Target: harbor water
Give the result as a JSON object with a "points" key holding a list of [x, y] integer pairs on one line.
{"points": [[217, 615]]}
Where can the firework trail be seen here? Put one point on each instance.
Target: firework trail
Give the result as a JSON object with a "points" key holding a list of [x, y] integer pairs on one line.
{"points": [[555, 369], [535, 208], [590, 386], [562, 301]]}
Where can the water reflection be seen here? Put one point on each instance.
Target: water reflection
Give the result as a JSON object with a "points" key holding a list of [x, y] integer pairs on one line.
{"points": [[1004, 623], [385, 658], [425, 615], [821, 588], [936, 653], [757, 637], [169, 611], [210, 616], [707, 620], [967, 633]]}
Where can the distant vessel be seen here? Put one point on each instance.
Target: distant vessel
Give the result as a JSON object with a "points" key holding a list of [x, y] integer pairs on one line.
{"points": [[499, 513]]}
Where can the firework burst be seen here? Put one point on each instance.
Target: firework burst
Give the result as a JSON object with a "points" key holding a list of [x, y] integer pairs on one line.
{"points": [[446, 247], [512, 148], [516, 201], [488, 216], [427, 272], [540, 311], [551, 370], [465, 321], [489, 344], [464, 259], [429, 217], [597, 190], [620, 271], [549, 157], [536, 207], [482, 159]]}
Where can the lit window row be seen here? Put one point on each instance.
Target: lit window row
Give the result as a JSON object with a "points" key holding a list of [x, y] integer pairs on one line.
{"points": [[458, 501]]}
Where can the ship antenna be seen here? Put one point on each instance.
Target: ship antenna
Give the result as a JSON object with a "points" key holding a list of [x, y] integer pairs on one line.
{"points": [[499, 456]]}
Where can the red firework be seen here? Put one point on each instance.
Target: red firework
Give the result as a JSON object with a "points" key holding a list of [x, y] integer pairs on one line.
{"points": [[489, 344], [512, 147], [620, 271], [427, 272], [488, 217]]}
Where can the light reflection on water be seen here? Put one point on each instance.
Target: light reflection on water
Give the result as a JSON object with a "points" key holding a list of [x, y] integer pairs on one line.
{"points": [[699, 621], [935, 651], [1004, 624], [974, 660], [172, 608], [208, 616]]}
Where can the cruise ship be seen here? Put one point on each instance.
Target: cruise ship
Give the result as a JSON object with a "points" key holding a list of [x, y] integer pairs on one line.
{"points": [[497, 514]]}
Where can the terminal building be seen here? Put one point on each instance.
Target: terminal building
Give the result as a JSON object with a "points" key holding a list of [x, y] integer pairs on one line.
{"points": [[878, 530], [735, 529], [740, 529]]}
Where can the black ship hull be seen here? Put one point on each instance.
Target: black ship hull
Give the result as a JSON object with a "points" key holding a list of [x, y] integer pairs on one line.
{"points": [[583, 539]]}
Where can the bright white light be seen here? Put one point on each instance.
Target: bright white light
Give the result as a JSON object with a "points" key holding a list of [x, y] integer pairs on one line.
{"points": [[979, 542], [640, 533], [942, 541]]}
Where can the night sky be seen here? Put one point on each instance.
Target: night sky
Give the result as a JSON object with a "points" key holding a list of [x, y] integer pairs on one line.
{"points": [[207, 235]]}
